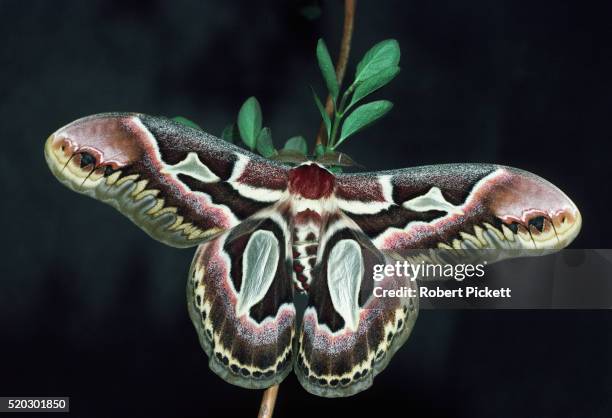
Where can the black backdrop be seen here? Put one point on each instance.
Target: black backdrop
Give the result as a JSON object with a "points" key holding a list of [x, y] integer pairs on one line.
{"points": [[90, 307]]}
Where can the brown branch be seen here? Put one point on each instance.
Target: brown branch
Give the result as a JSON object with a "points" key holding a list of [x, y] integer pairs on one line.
{"points": [[345, 49], [269, 397], [267, 402]]}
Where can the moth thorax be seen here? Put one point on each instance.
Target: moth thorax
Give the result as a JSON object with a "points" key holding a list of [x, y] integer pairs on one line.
{"points": [[311, 181]]}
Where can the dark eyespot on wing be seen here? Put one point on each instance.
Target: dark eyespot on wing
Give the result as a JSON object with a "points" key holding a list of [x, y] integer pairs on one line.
{"points": [[108, 170], [537, 222], [87, 159], [513, 227]]}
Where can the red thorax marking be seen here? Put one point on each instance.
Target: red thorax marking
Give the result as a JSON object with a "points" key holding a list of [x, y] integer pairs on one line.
{"points": [[311, 181]]}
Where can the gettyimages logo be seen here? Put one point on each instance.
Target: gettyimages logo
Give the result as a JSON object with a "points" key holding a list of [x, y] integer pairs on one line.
{"points": [[398, 280], [500, 279], [423, 270]]}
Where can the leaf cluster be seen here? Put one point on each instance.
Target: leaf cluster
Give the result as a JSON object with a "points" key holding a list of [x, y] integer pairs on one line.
{"points": [[376, 69]]}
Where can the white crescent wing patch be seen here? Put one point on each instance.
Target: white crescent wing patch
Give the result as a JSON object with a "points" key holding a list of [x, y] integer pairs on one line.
{"points": [[193, 167], [344, 272], [259, 264], [432, 200]]}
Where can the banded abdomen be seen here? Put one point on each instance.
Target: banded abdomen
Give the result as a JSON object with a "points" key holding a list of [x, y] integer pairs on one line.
{"points": [[305, 243], [311, 187]]}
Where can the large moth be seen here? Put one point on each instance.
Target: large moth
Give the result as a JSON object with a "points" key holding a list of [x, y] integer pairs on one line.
{"points": [[265, 231]]}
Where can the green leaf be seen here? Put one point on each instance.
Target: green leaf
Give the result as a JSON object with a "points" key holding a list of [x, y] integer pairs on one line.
{"points": [[186, 122], [249, 122], [327, 69], [231, 133], [363, 116], [335, 169], [322, 111], [381, 56], [264, 143], [371, 84], [319, 150], [297, 143]]}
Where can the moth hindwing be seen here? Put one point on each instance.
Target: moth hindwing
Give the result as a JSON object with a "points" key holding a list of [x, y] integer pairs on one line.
{"points": [[348, 335], [241, 302]]}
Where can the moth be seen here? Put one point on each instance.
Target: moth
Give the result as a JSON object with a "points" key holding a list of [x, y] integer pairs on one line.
{"points": [[266, 231]]}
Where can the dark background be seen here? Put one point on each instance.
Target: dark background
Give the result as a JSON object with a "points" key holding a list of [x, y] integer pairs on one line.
{"points": [[91, 308]]}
